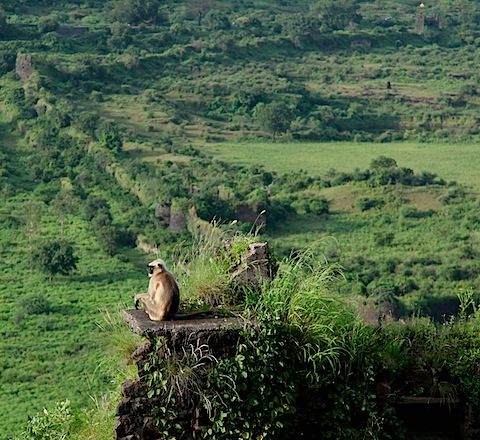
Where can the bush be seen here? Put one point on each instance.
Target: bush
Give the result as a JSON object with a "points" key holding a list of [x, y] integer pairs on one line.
{"points": [[261, 385], [412, 212], [274, 117], [319, 206], [366, 203], [35, 304], [54, 257], [456, 195], [53, 424], [384, 238], [47, 24]]}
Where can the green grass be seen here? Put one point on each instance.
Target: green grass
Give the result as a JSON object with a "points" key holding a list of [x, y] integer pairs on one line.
{"points": [[452, 162], [58, 352], [48, 357]]}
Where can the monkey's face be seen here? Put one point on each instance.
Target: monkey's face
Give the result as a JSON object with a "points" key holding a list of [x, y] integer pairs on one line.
{"points": [[155, 267]]}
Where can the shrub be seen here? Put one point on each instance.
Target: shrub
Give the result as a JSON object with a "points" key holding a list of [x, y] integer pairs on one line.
{"points": [[253, 394], [412, 212], [53, 424], [54, 257], [47, 24], [366, 203], [274, 117], [456, 195], [319, 206], [35, 304]]}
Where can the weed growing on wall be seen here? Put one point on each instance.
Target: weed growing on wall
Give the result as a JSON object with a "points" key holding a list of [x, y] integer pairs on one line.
{"points": [[254, 393], [205, 269], [52, 424], [176, 379]]}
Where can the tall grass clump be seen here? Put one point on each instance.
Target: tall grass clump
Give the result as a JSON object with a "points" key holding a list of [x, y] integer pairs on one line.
{"points": [[120, 343], [307, 343], [302, 298], [204, 269]]}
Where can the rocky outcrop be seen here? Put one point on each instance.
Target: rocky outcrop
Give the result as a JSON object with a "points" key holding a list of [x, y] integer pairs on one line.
{"points": [[255, 266], [162, 212], [178, 221], [211, 336], [24, 67]]}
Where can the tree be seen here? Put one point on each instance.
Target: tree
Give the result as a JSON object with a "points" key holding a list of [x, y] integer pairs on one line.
{"points": [[464, 14], [55, 257], [64, 203], [133, 11], [274, 117], [86, 122], [109, 136], [95, 206], [121, 35], [336, 14], [381, 163], [31, 215], [48, 23], [217, 20], [200, 8], [299, 28]]}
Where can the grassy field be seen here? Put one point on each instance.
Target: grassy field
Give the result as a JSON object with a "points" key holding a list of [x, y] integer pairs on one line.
{"points": [[51, 345], [57, 351], [452, 162]]}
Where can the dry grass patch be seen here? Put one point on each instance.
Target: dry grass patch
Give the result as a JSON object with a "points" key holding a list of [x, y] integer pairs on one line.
{"points": [[341, 198], [424, 199]]}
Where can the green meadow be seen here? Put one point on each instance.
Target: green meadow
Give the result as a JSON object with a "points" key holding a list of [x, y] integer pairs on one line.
{"points": [[52, 347], [458, 162]]}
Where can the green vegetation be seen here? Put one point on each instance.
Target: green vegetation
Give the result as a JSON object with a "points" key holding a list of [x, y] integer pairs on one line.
{"points": [[56, 257], [451, 161], [131, 109]]}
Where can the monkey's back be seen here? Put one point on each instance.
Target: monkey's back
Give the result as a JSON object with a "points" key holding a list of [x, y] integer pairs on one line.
{"points": [[166, 294]]}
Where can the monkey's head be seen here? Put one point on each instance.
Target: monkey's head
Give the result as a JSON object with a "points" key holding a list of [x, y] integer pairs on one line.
{"points": [[155, 267]]}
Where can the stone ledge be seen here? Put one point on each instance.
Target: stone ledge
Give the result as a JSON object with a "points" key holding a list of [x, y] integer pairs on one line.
{"points": [[141, 324]]}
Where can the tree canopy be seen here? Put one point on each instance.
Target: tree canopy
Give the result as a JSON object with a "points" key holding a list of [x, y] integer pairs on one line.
{"points": [[274, 117], [54, 257], [337, 14]]}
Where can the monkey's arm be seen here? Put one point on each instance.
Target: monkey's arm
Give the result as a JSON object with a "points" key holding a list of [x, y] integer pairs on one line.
{"points": [[152, 303], [140, 297]]}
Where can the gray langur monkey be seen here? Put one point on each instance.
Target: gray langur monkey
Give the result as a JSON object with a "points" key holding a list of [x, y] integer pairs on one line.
{"points": [[163, 296]]}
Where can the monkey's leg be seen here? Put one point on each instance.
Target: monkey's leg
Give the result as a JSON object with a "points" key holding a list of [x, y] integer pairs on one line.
{"points": [[154, 313]]}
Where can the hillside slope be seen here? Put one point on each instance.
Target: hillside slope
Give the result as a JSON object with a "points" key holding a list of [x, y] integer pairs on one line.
{"points": [[115, 116]]}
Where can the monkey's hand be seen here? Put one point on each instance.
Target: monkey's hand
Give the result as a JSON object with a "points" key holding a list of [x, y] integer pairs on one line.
{"points": [[137, 301]]}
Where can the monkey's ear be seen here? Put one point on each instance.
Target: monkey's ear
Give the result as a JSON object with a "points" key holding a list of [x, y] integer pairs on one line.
{"points": [[160, 265]]}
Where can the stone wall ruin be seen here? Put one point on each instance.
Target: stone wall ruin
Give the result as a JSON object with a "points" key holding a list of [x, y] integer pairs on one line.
{"points": [[24, 67]]}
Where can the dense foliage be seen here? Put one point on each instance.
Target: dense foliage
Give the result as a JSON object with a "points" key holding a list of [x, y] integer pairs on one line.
{"points": [[55, 257]]}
